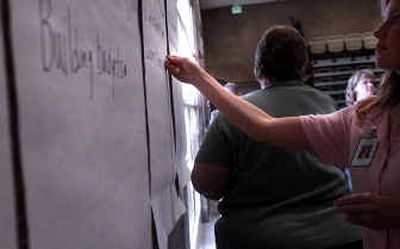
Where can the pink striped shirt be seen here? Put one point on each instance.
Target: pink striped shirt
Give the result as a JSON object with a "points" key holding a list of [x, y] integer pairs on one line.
{"points": [[335, 137]]}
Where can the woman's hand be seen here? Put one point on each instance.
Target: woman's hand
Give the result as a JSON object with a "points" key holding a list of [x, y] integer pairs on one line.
{"points": [[370, 210], [183, 69]]}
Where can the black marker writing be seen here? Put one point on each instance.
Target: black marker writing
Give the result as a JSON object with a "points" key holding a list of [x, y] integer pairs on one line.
{"points": [[60, 50]]}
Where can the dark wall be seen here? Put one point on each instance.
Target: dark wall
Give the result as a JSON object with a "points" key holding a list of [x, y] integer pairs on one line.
{"points": [[230, 40]]}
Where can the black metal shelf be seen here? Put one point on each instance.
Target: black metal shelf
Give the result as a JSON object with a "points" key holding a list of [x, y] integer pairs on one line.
{"points": [[332, 71]]}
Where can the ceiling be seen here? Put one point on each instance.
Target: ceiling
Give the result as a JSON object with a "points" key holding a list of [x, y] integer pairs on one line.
{"points": [[210, 4]]}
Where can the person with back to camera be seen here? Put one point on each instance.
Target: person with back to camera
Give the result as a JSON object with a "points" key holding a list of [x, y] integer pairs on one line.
{"points": [[272, 197], [360, 86], [338, 137]]}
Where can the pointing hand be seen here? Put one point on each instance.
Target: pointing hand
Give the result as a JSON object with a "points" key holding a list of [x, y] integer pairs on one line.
{"points": [[183, 69]]}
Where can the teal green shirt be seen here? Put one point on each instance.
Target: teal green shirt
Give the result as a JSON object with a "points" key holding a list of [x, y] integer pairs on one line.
{"points": [[279, 198]]}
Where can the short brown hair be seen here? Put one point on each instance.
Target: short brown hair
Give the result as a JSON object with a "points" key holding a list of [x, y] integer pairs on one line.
{"points": [[281, 54]]}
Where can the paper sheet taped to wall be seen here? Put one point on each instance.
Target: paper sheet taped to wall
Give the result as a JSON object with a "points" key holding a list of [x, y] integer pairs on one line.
{"points": [[158, 97], [83, 127], [8, 237]]}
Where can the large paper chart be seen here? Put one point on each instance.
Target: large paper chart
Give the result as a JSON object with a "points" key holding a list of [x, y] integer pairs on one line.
{"points": [[83, 127], [158, 97], [7, 210]]}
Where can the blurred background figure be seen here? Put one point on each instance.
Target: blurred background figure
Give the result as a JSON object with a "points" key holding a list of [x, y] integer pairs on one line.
{"points": [[360, 86]]}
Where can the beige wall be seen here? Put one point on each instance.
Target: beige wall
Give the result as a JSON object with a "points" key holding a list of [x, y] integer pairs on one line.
{"points": [[230, 40]]}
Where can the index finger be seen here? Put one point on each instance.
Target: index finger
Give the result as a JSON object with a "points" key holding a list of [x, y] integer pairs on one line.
{"points": [[357, 208], [353, 199], [173, 58]]}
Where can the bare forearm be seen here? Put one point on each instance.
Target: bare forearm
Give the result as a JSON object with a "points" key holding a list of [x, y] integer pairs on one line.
{"points": [[286, 132], [243, 114]]}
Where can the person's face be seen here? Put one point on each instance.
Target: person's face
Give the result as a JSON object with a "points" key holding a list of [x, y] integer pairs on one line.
{"points": [[388, 34], [365, 88]]}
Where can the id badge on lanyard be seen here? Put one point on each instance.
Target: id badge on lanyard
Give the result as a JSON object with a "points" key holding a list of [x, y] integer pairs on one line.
{"points": [[366, 149]]}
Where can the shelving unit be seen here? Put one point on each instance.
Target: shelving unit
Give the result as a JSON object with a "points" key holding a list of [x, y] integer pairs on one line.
{"points": [[333, 69], [334, 60]]}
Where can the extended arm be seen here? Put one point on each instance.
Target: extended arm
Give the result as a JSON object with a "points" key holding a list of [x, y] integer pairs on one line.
{"points": [[286, 132]]}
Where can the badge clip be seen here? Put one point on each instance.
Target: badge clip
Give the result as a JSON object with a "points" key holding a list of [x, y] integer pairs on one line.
{"points": [[366, 148]]}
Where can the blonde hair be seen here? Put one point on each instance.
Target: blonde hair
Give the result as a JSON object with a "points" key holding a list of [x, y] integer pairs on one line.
{"points": [[353, 81], [389, 94]]}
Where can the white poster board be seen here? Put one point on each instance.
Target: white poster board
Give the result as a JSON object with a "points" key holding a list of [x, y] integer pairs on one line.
{"points": [[193, 111], [173, 22], [83, 127], [158, 96], [8, 237], [160, 114]]}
